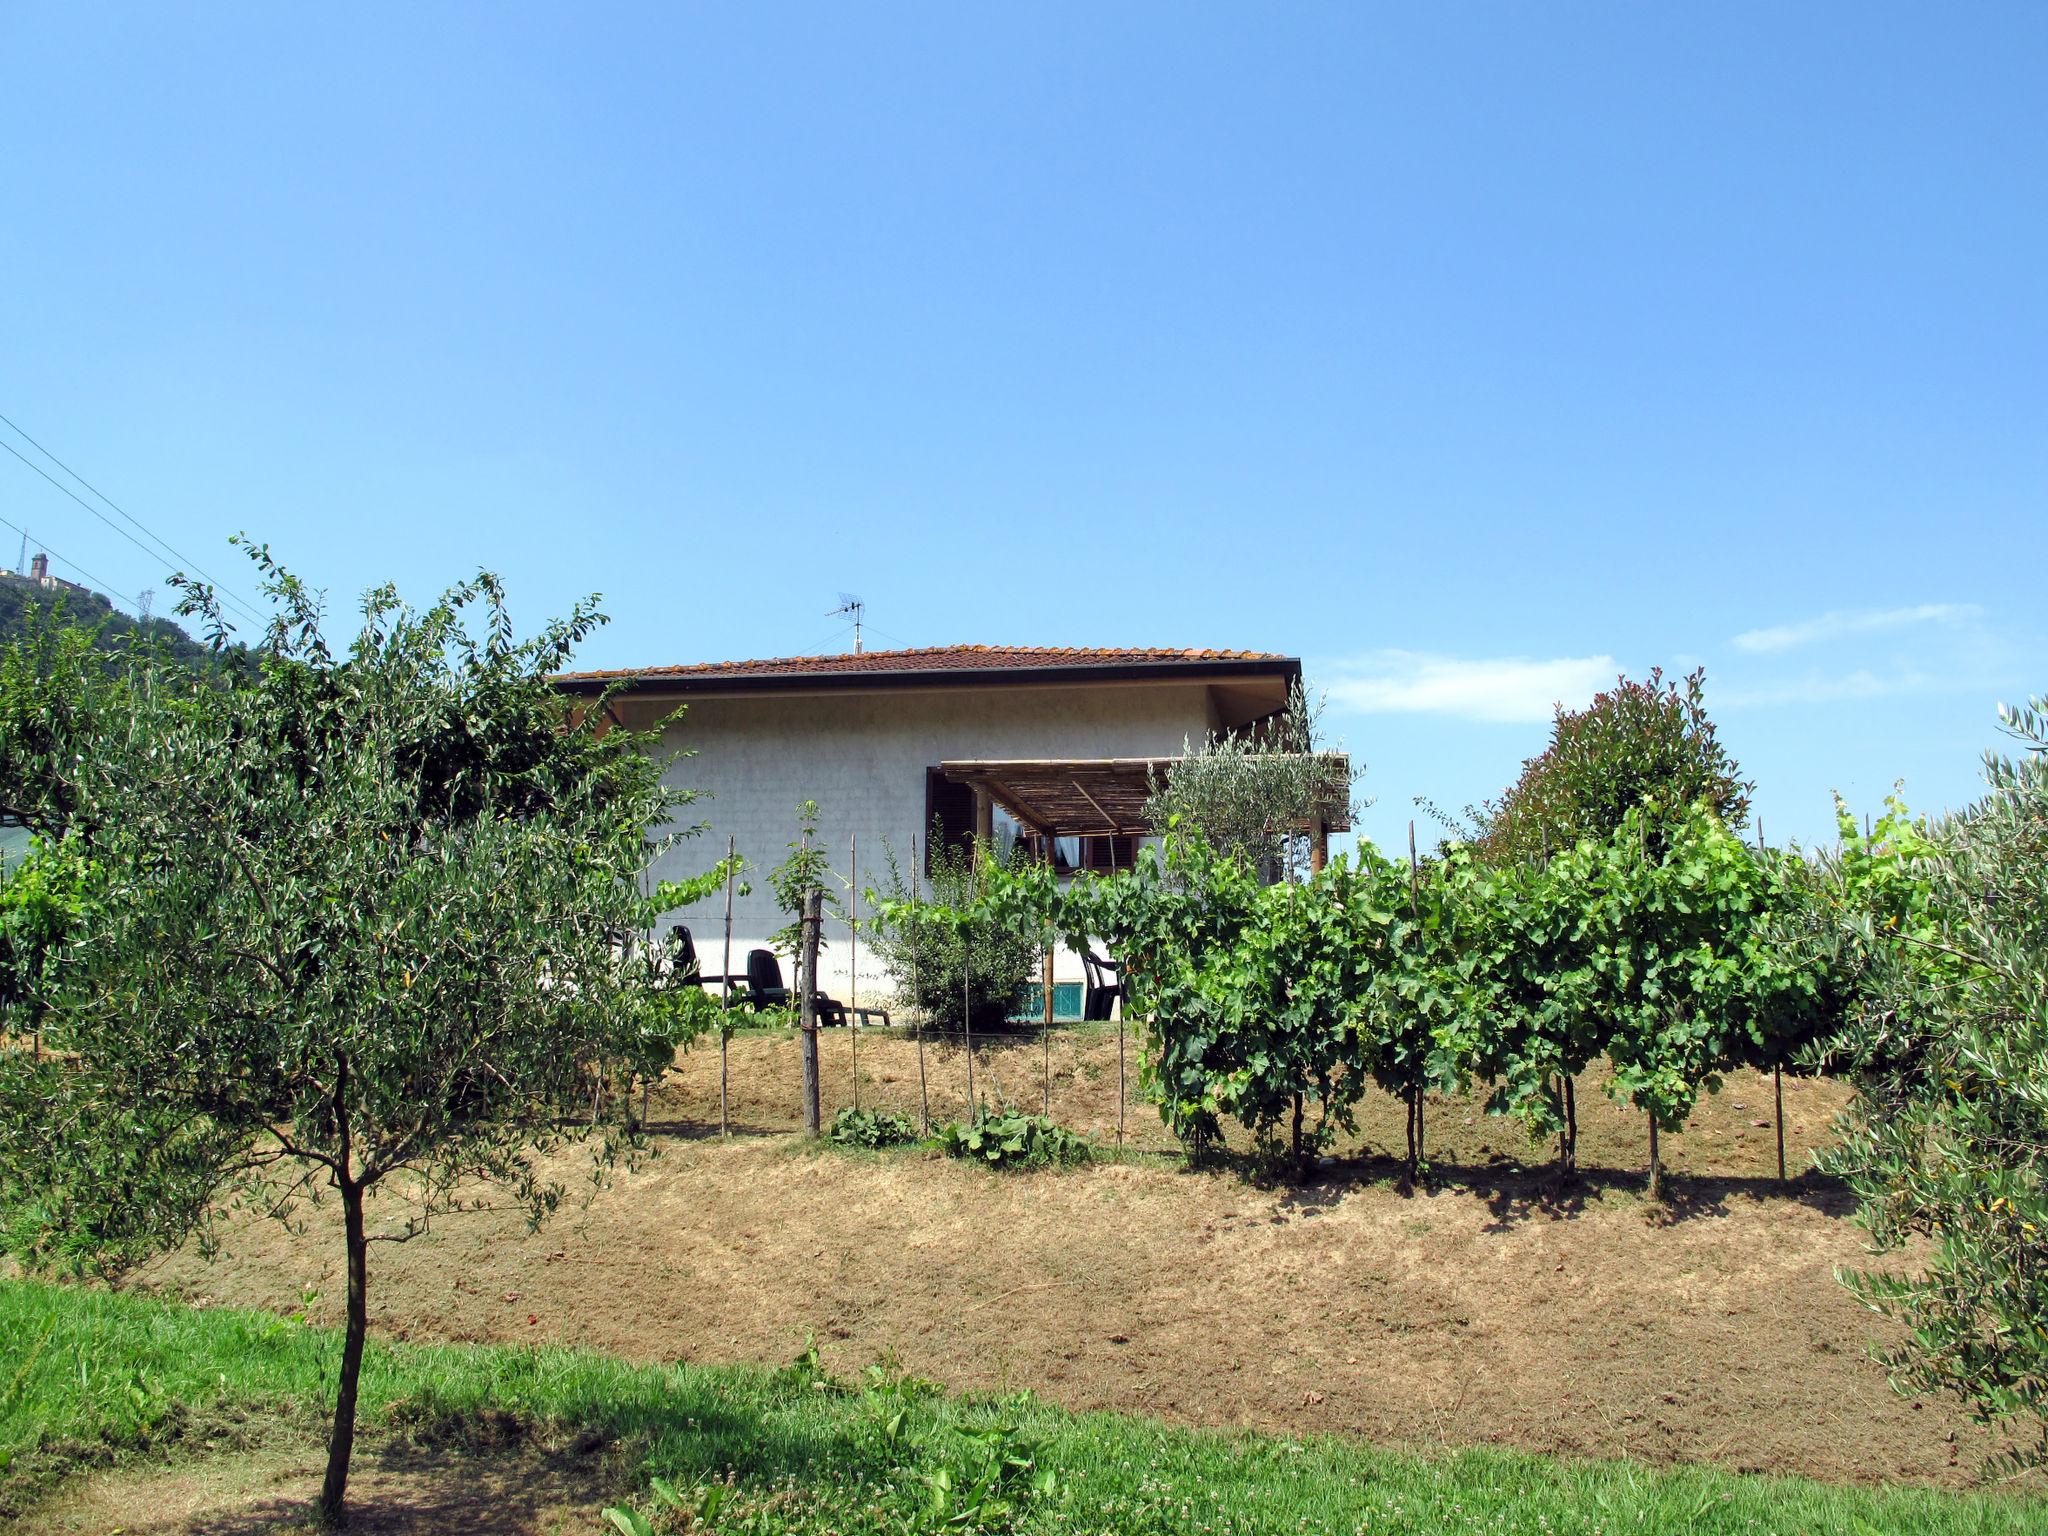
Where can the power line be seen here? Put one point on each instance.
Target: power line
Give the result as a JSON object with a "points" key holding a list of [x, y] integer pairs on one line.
{"points": [[88, 575], [820, 646], [164, 543]]}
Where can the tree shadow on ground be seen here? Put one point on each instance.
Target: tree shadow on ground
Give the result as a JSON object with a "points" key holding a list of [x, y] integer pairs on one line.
{"points": [[404, 1489], [461, 1465], [1516, 1192], [685, 1128]]}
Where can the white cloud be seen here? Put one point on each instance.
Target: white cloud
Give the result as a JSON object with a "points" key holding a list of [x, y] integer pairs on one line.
{"points": [[1508, 688], [1863, 621], [1826, 688]]}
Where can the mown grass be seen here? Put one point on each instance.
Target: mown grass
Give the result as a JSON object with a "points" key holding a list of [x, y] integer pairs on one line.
{"points": [[85, 1375]]}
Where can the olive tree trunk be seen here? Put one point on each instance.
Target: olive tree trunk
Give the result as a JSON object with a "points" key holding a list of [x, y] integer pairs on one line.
{"points": [[342, 1443]]}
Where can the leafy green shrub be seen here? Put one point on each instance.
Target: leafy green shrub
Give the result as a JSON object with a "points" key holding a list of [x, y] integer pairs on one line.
{"points": [[1635, 743], [939, 940], [1014, 1140], [739, 1016], [43, 899], [870, 1128], [1275, 1005]]}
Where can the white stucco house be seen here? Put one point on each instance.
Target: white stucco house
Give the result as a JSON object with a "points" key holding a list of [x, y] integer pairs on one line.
{"points": [[1053, 745]]}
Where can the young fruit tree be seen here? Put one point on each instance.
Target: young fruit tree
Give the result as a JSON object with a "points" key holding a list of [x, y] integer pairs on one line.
{"points": [[362, 930]]}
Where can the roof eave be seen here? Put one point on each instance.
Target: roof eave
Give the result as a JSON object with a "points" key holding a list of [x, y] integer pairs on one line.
{"points": [[1286, 668]]}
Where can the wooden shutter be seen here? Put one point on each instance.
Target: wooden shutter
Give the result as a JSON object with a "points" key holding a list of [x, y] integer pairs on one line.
{"points": [[948, 814], [1102, 854]]}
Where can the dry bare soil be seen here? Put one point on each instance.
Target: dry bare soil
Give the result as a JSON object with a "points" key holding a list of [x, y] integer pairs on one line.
{"points": [[1494, 1308], [391, 1490]]}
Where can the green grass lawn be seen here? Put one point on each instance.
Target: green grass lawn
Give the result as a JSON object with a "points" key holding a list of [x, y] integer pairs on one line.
{"points": [[85, 1376]]}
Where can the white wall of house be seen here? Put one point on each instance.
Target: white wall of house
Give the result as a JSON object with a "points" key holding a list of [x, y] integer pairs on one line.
{"points": [[862, 755]]}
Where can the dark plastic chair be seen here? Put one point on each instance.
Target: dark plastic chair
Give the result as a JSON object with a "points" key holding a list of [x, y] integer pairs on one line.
{"points": [[1105, 986], [683, 965], [765, 989]]}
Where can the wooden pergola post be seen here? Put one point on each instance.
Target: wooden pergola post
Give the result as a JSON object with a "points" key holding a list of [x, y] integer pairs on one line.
{"points": [[1046, 987], [1318, 846], [984, 822]]}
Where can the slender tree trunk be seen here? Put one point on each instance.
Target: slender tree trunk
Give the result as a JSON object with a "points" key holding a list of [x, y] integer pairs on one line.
{"points": [[1656, 1168], [342, 1442], [1414, 1152], [1571, 1123], [1563, 1150], [966, 1001], [1122, 1093], [1778, 1085], [924, 1095], [1047, 988], [1297, 1134], [732, 848], [807, 1007], [853, 984]]}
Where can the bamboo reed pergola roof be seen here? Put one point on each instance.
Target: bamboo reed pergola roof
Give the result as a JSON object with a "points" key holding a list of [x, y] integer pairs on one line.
{"points": [[1083, 796]]}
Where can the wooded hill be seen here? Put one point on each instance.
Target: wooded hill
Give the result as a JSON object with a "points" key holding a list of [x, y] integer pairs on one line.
{"points": [[21, 598]]}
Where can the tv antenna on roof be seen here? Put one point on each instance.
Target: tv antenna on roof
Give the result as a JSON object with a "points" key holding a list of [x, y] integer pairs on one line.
{"points": [[848, 603]]}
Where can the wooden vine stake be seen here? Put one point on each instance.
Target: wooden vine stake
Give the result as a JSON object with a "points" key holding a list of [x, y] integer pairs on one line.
{"points": [[1120, 1022], [807, 1007], [1571, 1124], [725, 996], [1046, 988], [1656, 1168], [1778, 1066], [853, 979], [1778, 1088], [966, 968], [924, 1097], [1656, 1165], [1415, 1152]]}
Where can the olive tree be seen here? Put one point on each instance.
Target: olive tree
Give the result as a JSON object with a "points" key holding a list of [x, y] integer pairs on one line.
{"points": [[1945, 933], [362, 930], [1254, 794]]}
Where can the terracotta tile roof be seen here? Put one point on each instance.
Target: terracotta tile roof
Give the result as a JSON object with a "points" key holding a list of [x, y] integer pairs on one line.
{"points": [[944, 659]]}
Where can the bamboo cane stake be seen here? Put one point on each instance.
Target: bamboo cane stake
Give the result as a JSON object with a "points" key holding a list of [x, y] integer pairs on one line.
{"points": [[1415, 1152], [853, 978], [1047, 1033], [1120, 1022], [924, 1098], [807, 1007], [1778, 1089], [1777, 1067], [966, 967], [1045, 986], [725, 994]]}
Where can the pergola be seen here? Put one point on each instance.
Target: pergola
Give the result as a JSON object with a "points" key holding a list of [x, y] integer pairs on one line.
{"points": [[1089, 796]]}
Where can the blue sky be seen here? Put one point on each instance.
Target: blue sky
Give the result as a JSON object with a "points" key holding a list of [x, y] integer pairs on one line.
{"points": [[1473, 353]]}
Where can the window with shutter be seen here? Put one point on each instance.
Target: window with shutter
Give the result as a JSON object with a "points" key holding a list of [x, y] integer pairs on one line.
{"points": [[1098, 853], [948, 814]]}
